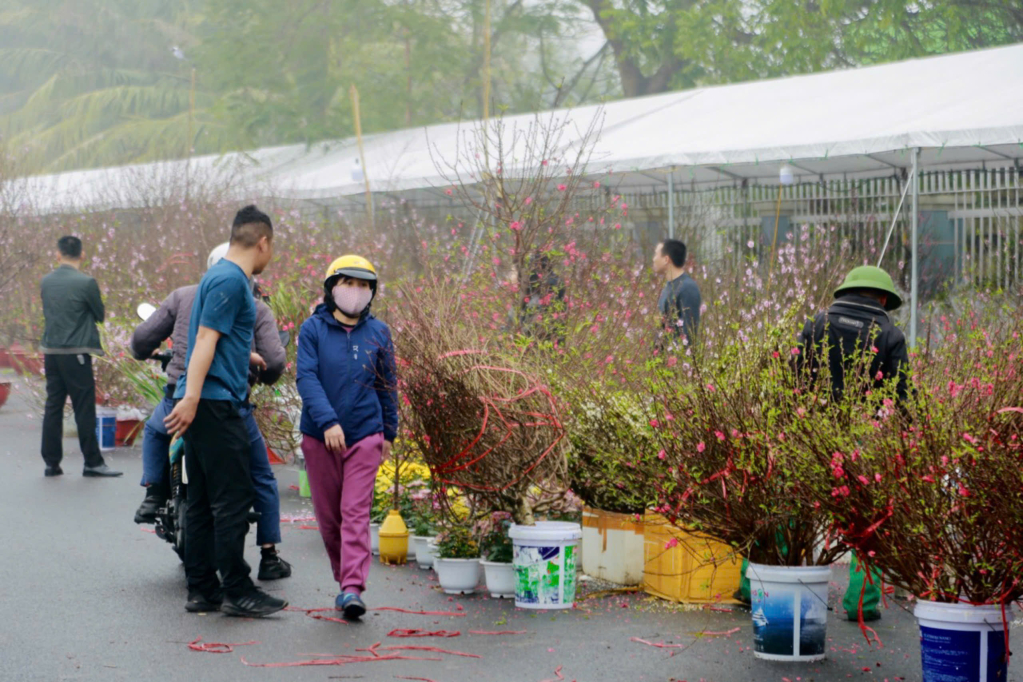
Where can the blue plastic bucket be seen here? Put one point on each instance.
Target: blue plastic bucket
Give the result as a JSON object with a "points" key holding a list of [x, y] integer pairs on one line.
{"points": [[106, 428], [790, 611], [961, 643]]}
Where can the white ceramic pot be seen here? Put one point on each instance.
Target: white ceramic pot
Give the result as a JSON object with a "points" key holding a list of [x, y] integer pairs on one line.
{"points": [[500, 579], [457, 576], [424, 549], [374, 539]]}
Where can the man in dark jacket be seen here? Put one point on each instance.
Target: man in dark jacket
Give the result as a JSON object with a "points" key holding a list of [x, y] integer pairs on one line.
{"points": [[679, 302], [857, 323], [72, 307], [171, 320]]}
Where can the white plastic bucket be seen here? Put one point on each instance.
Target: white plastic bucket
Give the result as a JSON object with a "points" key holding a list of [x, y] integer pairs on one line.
{"points": [[790, 611], [961, 643], [545, 557], [106, 427]]}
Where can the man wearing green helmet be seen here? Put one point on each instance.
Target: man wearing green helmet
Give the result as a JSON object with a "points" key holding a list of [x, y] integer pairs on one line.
{"points": [[858, 320]]}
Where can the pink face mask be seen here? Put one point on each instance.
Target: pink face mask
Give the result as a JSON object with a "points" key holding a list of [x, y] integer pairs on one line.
{"points": [[352, 300]]}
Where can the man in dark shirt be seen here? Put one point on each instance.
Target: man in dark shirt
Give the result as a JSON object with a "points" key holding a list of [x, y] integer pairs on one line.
{"points": [[72, 307], [210, 396], [679, 302]]}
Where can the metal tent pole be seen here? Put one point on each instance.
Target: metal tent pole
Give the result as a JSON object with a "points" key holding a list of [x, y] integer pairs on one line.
{"points": [[915, 248], [671, 203]]}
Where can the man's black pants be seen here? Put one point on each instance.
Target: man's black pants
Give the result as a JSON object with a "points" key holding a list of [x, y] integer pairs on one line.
{"points": [[220, 494], [70, 375]]}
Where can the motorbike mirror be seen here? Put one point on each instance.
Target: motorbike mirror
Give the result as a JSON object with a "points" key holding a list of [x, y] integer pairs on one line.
{"points": [[285, 338], [145, 310]]}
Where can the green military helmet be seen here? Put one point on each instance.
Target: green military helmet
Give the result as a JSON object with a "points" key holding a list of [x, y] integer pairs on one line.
{"points": [[870, 277]]}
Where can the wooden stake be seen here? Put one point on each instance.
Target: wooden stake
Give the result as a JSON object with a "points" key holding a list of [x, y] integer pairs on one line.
{"points": [[362, 151], [486, 64]]}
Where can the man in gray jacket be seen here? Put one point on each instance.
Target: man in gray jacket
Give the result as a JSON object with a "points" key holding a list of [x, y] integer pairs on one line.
{"points": [[171, 320], [72, 307]]}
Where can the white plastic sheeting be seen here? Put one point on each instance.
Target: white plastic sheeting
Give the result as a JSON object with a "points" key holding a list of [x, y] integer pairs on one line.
{"points": [[962, 110]]}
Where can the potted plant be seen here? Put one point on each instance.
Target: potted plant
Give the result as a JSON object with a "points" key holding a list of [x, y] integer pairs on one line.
{"points": [[497, 554], [612, 452], [930, 496], [458, 560], [423, 525], [731, 474], [5, 389]]}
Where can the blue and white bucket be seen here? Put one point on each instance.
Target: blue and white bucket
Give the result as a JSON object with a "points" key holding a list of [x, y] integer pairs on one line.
{"points": [[545, 558], [790, 611], [106, 427], [961, 642]]}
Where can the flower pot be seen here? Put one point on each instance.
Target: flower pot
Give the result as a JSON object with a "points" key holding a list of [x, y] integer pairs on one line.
{"points": [[545, 564], [790, 611], [425, 551], [393, 539], [961, 643], [126, 430], [457, 576], [612, 546], [106, 428], [5, 392], [500, 579], [24, 362], [374, 539]]}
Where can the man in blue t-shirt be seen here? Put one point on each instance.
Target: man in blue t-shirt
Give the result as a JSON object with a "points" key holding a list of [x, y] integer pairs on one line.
{"points": [[206, 415]]}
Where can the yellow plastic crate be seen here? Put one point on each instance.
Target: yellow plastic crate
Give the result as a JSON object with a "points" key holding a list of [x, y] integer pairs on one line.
{"points": [[699, 569]]}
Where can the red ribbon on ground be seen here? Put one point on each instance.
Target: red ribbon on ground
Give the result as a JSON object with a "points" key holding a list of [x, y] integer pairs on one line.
{"points": [[419, 613], [400, 632], [216, 647]]}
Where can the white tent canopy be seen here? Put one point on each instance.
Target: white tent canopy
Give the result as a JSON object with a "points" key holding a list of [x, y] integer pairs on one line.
{"points": [[960, 110]]}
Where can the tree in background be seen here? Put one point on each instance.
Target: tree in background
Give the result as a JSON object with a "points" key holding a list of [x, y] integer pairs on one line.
{"points": [[96, 82], [662, 45]]}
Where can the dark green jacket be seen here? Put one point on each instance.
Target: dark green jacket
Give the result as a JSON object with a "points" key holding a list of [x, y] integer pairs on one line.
{"points": [[72, 307]]}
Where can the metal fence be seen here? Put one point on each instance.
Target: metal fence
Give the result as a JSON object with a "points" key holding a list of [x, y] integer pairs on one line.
{"points": [[970, 222]]}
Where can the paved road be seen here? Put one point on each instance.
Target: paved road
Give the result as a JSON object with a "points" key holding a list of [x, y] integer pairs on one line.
{"points": [[85, 594]]}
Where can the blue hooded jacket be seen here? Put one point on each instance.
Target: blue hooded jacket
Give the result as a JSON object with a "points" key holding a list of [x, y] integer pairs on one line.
{"points": [[347, 377]]}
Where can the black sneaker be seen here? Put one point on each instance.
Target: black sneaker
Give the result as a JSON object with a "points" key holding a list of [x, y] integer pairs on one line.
{"points": [[253, 604], [150, 507], [53, 471], [272, 566], [200, 603], [350, 605]]}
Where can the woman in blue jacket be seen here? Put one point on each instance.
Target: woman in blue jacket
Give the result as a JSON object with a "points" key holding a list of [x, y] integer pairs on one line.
{"points": [[349, 417]]}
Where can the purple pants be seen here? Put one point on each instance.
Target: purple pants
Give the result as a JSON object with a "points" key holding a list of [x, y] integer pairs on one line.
{"points": [[342, 488]]}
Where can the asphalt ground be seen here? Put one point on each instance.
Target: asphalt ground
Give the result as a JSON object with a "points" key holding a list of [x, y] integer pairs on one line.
{"points": [[85, 594]]}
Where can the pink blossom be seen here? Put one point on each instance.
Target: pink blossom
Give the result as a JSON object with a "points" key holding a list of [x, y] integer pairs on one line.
{"points": [[794, 351], [516, 226], [700, 447], [449, 191], [654, 423], [673, 542], [662, 454], [562, 188], [720, 436], [596, 184], [529, 200], [672, 361]]}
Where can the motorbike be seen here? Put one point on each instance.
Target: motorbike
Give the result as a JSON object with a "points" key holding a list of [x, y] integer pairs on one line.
{"points": [[170, 519]]}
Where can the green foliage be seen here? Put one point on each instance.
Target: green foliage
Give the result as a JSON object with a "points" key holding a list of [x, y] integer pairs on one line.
{"points": [[457, 542], [614, 451], [495, 544]]}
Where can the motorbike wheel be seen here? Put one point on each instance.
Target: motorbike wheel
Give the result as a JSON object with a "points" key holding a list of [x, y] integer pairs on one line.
{"points": [[177, 512]]}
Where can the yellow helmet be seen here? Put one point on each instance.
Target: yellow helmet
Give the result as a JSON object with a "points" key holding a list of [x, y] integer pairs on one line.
{"points": [[351, 266]]}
